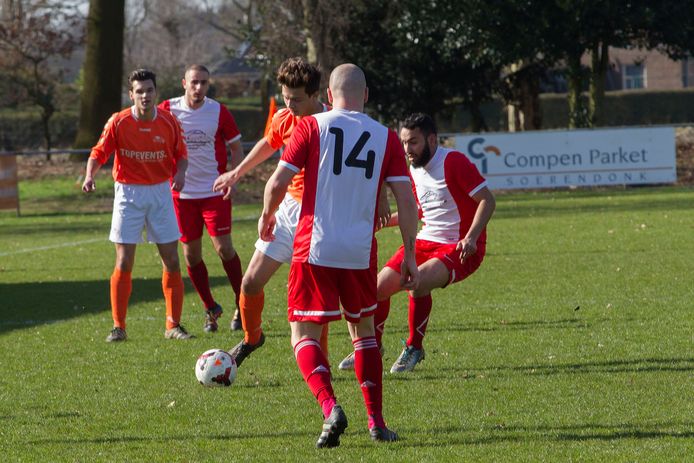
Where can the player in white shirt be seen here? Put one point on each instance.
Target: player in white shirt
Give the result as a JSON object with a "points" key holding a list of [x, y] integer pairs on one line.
{"points": [[346, 156], [455, 207], [209, 129]]}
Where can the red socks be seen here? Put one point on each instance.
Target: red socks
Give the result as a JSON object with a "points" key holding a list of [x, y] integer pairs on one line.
{"points": [[417, 318], [314, 368], [368, 368], [232, 267], [201, 283]]}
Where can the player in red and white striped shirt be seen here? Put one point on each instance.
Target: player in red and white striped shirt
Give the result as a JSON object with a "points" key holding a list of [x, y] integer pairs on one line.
{"points": [[455, 206], [346, 156], [209, 129]]}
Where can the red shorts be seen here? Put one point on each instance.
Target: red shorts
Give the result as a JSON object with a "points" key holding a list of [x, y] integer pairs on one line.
{"points": [[446, 253], [213, 212], [316, 292]]}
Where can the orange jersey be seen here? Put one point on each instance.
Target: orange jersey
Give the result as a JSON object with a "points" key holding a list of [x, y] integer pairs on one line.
{"points": [[146, 151], [280, 132]]}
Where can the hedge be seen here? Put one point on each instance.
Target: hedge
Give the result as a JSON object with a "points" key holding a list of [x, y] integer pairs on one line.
{"points": [[622, 108], [22, 130]]}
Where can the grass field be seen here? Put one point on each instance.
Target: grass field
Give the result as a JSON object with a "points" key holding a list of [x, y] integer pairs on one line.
{"points": [[573, 342]]}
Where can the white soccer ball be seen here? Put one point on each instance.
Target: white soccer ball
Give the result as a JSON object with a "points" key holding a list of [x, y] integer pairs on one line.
{"points": [[215, 368]]}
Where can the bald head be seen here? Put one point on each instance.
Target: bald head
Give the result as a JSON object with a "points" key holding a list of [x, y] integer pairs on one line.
{"points": [[348, 87]]}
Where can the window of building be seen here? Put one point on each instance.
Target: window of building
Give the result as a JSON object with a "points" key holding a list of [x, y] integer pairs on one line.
{"points": [[633, 76]]}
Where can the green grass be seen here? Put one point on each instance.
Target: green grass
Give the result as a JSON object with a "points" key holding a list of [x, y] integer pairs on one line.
{"points": [[573, 342]]}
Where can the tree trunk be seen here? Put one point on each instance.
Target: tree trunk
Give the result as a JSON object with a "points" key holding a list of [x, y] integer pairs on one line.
{"points": [[103, 69], [309, 8], [530, 101], [600, 59], [523, 108], [577, 112]]}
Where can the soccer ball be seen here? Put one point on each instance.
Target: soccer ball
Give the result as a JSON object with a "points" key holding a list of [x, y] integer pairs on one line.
{"points": [[215, 368]]}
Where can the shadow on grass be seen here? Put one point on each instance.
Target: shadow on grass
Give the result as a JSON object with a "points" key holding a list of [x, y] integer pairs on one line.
{"points": [[170, 438], [561, 433], [503, 325], [645, 365], [453, 435], [25, 305]]}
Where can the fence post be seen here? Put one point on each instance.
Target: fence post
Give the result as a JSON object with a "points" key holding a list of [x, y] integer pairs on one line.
{"points": [[9, 191]]}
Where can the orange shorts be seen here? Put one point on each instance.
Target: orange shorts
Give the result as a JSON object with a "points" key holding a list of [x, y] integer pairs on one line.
{"points": [[316, 292]]}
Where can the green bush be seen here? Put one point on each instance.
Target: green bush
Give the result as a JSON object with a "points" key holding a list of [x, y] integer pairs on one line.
{"points": [[21, 129], [622, 108]]}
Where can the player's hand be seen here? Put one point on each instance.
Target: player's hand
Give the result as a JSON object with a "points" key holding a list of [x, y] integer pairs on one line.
{"points": [[225, 181], [266, 226], [89, 185], [383, 215], [409, 274], [467, 248], [178, 181]]}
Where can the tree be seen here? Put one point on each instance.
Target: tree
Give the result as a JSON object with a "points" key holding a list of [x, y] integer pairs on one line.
{"points": [[102, 72], [33, 32], [578, 27], [414, 57]]}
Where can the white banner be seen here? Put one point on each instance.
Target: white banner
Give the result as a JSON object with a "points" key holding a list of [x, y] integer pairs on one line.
{"points": [[626, 156]]}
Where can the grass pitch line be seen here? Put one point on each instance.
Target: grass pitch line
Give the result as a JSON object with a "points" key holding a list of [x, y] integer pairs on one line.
{"points": [[53, 246]]}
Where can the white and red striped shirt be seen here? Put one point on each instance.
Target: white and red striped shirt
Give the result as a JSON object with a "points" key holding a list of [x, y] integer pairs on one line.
{"points": [[207, 130], [346, 156], [444, 189]]}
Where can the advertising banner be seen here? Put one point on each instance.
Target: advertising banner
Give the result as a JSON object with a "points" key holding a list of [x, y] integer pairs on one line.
{"points": [[626, 156]]}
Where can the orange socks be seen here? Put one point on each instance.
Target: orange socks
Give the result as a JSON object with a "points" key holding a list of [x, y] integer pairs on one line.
{"points": [[172, 285], [251, 306], [121, 287]]}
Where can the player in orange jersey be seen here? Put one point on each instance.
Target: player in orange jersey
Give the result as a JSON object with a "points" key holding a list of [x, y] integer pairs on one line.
{"points": [[300, 84], [150, 161]]}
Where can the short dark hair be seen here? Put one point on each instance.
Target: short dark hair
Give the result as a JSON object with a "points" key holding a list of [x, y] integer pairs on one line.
{"points": [[297, 72], [421, 121], [196, 67], [141, 75]]}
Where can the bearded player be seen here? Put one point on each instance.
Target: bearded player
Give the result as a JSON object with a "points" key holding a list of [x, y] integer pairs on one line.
{"points": [[455, 207]]}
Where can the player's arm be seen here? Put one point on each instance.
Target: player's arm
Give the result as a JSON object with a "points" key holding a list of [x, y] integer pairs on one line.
{"points": [[260, 152], [486, 203], [275, 189], [179, 179], [99, 155], [384, 213], [93, 167], [407, 221], [236, 149]]}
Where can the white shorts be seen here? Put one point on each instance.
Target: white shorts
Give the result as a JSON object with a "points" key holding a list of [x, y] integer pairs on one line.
{"points": [[287, 216], [143, 207]]}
